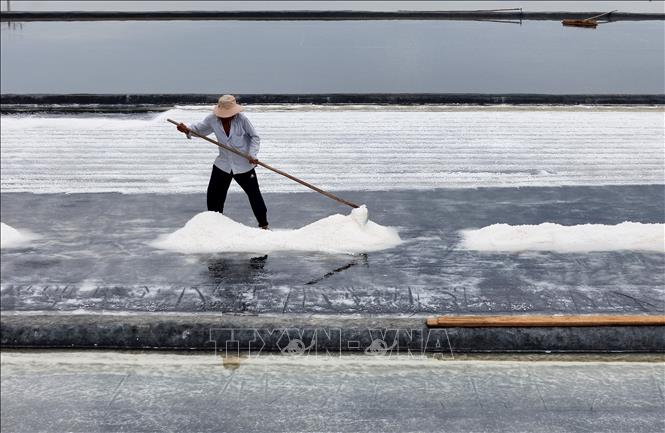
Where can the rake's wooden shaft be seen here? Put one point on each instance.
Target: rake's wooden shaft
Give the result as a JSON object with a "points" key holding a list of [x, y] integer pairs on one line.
{"points": [[263, 164], [544, 321]]}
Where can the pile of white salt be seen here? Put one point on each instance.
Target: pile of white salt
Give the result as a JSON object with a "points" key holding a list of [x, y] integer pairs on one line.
{"points": [[566, 239], [12, 238], [212, 232]]}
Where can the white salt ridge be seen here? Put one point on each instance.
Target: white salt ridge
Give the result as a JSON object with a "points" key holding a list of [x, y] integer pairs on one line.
{"points": [[212, 232], [339, 150], [12, 238], [566, 239]]}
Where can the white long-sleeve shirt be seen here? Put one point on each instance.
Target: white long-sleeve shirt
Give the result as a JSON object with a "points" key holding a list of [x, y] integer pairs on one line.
{"points": [[242, 136]]}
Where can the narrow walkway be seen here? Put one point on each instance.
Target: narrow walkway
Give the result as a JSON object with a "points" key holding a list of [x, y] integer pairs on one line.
{"points": [[118, 391]]}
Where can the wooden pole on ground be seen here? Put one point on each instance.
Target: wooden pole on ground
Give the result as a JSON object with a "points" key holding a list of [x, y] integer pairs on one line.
{"points": [[587, 22], [544, 321], [263, 164]]}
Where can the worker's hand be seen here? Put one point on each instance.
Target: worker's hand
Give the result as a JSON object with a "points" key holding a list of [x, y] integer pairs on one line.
{"points": [[253, 161], [183, 128]]}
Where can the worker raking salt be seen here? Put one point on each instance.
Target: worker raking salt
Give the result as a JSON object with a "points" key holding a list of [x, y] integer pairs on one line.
{"points": [[239, 146], [234, 130], [211, 232]]}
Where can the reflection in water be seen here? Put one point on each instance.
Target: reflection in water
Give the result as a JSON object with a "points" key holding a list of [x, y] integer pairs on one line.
{"points": [[233, 271], [228, 271], [13, 25], [423, 57], [258, 262], [361, 259], [232, 277], [499, 21], [221, 269]]}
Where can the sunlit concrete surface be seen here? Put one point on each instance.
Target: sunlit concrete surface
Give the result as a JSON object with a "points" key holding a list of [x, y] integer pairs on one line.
{"points": [[94, 391]]}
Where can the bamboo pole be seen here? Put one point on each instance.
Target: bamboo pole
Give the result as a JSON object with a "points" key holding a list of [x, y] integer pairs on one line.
{"points": [[544, 321], [263, 164]]}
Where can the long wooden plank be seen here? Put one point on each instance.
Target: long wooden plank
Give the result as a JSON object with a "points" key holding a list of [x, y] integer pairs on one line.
{"points": [[544, 321]]}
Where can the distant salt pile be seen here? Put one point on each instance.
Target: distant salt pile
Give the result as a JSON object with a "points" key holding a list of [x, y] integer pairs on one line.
{"points": [[567, 239], [12, 238], [210, 232]]}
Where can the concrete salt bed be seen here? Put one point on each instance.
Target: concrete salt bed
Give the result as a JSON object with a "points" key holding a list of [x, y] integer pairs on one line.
{"points": [[99, 391], [95, 254]]}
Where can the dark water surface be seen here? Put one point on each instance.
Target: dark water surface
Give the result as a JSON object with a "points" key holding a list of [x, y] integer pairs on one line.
{"points": [[311, 57]]}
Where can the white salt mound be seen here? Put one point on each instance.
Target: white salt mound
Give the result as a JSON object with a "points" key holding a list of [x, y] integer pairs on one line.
{"points": [[210, 232], [12, 238], [566, 239]]}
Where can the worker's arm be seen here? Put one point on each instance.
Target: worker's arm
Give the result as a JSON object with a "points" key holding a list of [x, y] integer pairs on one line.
{"points": [[255, 140], [201, 128]]}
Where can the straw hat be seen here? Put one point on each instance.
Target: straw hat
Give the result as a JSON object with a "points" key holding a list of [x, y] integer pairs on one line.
{"points": [[227, 106]]}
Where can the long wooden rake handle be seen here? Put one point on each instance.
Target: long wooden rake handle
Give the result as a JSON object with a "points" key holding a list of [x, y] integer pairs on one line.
{"points": [[263, 164], [545, 321]]}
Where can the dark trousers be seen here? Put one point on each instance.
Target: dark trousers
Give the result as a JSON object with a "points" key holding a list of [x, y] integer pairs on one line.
{"points": [[219, 186]]}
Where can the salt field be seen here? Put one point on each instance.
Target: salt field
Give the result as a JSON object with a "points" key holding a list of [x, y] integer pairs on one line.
{"points": [[96, 253], [455, 220], [472, 209], [362, 148]]}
